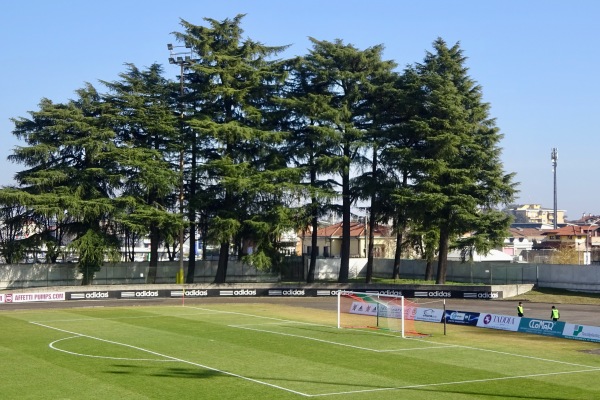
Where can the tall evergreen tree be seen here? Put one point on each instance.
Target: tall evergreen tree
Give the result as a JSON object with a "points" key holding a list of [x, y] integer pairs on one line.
{"points": [[400, 147], [344, 73], [382, 96], [309, 148], [147, 134], [459, 177], [71, 168], [233, 80], [14, 219]]}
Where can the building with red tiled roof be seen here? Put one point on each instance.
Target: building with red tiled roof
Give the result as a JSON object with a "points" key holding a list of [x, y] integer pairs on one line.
{"points": [[329, 241], [581, 238]]}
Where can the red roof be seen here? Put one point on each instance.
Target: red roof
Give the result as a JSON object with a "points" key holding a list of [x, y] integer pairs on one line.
{"points": [[573, 230], [357, 229]]}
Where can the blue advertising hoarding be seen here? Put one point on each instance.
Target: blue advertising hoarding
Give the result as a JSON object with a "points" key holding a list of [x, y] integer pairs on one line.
{"points": [[461, 317]]}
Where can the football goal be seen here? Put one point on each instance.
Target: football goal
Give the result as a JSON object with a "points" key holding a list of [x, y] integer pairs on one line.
{"points": [[359, 310]]}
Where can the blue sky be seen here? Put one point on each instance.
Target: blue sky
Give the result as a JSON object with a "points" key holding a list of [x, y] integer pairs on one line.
{"points": [[536, 60]]}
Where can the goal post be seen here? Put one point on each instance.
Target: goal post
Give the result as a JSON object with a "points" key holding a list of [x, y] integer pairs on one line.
{"points": [[374, 310]]}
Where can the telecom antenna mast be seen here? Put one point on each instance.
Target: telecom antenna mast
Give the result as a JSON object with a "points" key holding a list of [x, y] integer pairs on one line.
{"points": [[554, 157]]}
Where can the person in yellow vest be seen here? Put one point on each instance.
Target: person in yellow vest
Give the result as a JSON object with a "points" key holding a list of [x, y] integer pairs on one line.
{"points": [[555, 315], [520, 312]]}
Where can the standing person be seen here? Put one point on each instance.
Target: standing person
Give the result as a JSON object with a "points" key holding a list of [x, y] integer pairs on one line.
{"points": [[520, 312], [555, 315]]}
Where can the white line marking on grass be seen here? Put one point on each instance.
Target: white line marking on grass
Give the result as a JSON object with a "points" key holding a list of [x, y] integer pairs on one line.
{"points": [[276, 323], [331, 341], [443, 346], [521, 355], [452, 383], [287, 321], [370, 332], [303, 337], [176, 359], [258, 316], [54, 347], [119, 318]]}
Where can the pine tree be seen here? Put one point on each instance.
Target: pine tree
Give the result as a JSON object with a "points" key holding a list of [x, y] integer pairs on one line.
{"points": [[459, 179], [146, 137], [72, 169], [231, 83], [342, 73], [309, 149], [382, 96]]}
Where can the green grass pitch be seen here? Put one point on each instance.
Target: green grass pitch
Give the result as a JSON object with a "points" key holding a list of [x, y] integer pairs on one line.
{"points": [[274, 351]]}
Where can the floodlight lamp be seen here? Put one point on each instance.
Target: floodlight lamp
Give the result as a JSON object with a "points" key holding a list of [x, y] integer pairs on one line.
{"points": [[179, 59], [171, 60], [170, 46]]}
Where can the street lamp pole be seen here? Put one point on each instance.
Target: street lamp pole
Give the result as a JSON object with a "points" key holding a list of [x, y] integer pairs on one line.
{"points": [[183, 59], [554, 158]]}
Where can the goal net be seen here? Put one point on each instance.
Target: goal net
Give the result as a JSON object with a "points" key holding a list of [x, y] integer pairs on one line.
{"points": [[358, 310]]}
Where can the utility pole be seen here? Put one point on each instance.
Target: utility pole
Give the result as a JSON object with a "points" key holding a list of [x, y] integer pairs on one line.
{"points": [[554, 157]]}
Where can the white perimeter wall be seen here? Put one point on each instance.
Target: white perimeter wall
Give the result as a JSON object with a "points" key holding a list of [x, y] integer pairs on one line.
{"points": [[572, 277]]}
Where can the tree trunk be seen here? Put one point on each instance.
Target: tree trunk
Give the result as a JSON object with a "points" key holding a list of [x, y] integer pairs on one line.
{"points": [[345, 255], [369, 277], [221, 275], [397, 255], [442, 256], [191, 272], [313, 253], [429, 270], [372, 219], [153, 264]]}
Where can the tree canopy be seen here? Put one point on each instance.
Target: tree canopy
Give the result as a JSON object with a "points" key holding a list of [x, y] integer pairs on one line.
{"points": [[247, 146]]}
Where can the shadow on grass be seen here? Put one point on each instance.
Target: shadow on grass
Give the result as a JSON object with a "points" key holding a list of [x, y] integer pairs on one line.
{"points": [[435, 389], [172, 372]]}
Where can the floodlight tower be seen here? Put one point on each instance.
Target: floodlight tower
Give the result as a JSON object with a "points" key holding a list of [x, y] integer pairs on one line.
{"points": [[554, 158], [184, 60]]}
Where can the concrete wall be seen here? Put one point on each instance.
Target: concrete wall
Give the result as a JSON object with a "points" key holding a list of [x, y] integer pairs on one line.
{"points": [[43, 275], [572, 277]]}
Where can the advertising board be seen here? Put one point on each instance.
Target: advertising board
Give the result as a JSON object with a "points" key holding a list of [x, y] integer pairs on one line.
{"points": [[495, 321]]}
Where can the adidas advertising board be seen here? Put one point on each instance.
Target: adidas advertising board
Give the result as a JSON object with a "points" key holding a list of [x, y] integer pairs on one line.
{"points": [[189, 293], [245, 292], [96, 295], [139, 294], [238, 292], [433, 293], [481, 295], [287, 292]]}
